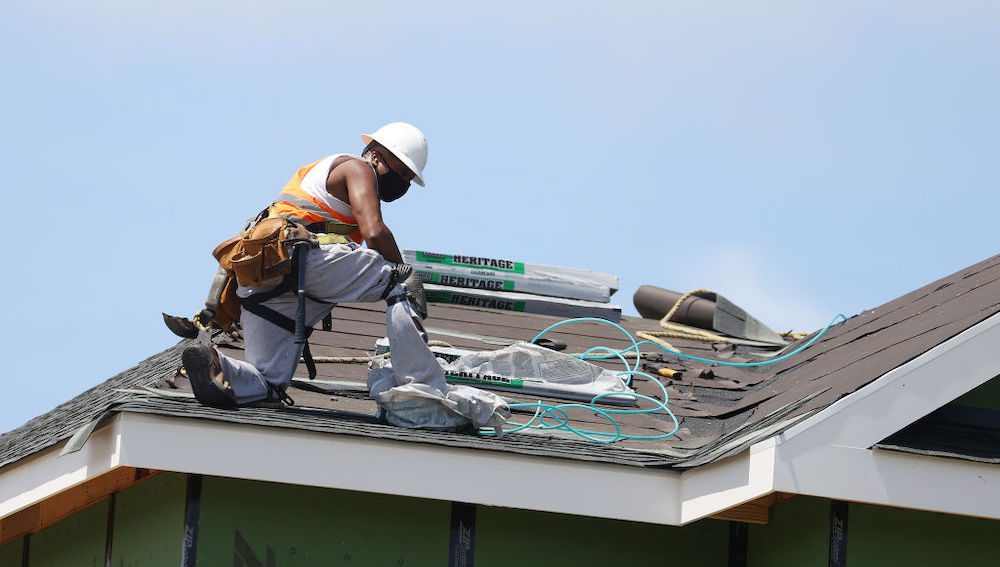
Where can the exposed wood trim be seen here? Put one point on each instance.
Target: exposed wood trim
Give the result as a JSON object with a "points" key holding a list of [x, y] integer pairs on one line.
{"points": [[69, 502], [754, 512], [47, 473]]}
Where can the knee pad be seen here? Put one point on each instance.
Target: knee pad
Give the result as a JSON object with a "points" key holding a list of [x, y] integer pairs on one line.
{"points": [[419, 313], [400, 273]]}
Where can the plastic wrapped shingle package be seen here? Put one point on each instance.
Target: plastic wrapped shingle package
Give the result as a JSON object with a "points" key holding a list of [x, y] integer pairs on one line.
{"points": [[534, 369], [522, 302], [522, 367], [502, 275]]}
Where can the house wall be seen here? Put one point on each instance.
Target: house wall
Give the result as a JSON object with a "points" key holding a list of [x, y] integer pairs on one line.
{"points": [[10, 554], [77, 540], [252, 523], [516, 537], [244, 523], [797, 535], [879, 536], [149, 523], [147, 526], [296, 525]]}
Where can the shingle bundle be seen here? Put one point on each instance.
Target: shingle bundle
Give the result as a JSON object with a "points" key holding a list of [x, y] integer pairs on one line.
{"points": [[515, 286]]}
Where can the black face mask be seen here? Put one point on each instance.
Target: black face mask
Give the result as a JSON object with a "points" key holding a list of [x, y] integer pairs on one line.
{"points": [[391, 186]]}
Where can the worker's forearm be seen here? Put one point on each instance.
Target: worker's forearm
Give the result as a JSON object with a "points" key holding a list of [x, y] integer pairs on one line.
{"points": [[384, 243]]}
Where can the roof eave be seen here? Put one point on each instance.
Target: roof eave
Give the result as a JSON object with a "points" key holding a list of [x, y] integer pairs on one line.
{"points": [[405, 469], [148, 441], [828, 454], [47, 473]]}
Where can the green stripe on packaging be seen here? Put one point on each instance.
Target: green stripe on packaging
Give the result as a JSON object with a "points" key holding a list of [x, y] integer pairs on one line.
{"points": [[496, 264], [458, 298], [485, 380], [471, 282]]}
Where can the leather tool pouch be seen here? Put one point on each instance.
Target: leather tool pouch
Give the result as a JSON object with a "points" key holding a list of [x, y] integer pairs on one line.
{"points": [[261, 254], [229, 306]]}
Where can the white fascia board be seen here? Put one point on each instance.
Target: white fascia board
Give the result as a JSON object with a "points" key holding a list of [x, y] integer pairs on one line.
{"points": [[826, 455], [403, 469], [715, 487], [46, 474], [905, 394], [390, 467], [891, 478], [830, 455]]}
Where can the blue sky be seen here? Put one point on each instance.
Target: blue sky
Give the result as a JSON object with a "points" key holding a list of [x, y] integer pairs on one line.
{"points": [[803, 159]]}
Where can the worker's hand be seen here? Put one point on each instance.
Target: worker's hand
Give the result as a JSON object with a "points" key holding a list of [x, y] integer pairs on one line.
{"points": [[415, 293]]}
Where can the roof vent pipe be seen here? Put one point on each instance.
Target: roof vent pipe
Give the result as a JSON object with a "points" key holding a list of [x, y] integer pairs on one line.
{"points": [[653, 303]]}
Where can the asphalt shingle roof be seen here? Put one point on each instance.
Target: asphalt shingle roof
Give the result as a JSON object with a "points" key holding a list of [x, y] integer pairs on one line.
{"points": [[722, 409]]}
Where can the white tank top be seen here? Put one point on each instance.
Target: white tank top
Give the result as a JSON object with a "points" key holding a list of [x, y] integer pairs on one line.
{"points": [[314, 184]]}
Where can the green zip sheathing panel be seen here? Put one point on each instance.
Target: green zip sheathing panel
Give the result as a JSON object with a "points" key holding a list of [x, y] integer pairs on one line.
{"points": [[879, 536], [79, 540], [505, 536], [796, 536], [985, 396], [10, 553], [259, 523], [149, 523]]}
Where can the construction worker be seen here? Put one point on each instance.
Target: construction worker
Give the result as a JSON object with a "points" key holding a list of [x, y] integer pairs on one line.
{"points": [[338, 198]]}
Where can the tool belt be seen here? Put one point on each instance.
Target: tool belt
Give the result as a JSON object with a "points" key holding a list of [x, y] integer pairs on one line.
{"points": [[271, 247], [325, 232], [262, 253], [329, 227]]}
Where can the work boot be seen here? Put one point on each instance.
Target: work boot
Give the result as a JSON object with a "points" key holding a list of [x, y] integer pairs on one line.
{"points": [[201, 363]]}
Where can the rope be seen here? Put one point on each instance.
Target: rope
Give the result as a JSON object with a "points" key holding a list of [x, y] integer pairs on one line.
{"points": [[680, 301], [679, 331], [795, 335], [367, 358], [349, 359], [548, 417], [636, 345]]}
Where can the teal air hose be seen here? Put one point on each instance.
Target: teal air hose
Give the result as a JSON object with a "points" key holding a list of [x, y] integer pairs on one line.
{"points": [[549, 417], [635, 345]]}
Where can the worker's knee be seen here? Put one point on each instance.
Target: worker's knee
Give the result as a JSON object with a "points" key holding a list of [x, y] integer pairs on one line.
{"points": [[400, 273], [392, 295]]}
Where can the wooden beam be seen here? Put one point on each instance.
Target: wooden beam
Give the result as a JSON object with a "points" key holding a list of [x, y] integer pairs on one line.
{"points": [[69, 502], [754, 512]]}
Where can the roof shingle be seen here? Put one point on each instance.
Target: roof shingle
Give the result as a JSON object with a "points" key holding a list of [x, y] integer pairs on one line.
{"points": [[722, 409]]}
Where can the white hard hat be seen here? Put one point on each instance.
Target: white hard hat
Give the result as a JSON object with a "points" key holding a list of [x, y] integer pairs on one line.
{"points": [[406, 142]]}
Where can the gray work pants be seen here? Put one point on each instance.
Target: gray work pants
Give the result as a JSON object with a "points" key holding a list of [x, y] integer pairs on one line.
{"points": [[335, 273]]}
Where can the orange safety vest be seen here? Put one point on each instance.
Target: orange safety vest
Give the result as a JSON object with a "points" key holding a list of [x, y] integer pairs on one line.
{"points": [[295, 204]]}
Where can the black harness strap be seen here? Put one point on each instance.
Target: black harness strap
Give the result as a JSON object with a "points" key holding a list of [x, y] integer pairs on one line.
{"points": [[255, 305], [286, 323]]}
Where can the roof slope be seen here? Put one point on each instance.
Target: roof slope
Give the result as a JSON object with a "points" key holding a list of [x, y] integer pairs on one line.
{"points": [[63, 421], [722, 409], [960, 432]]}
